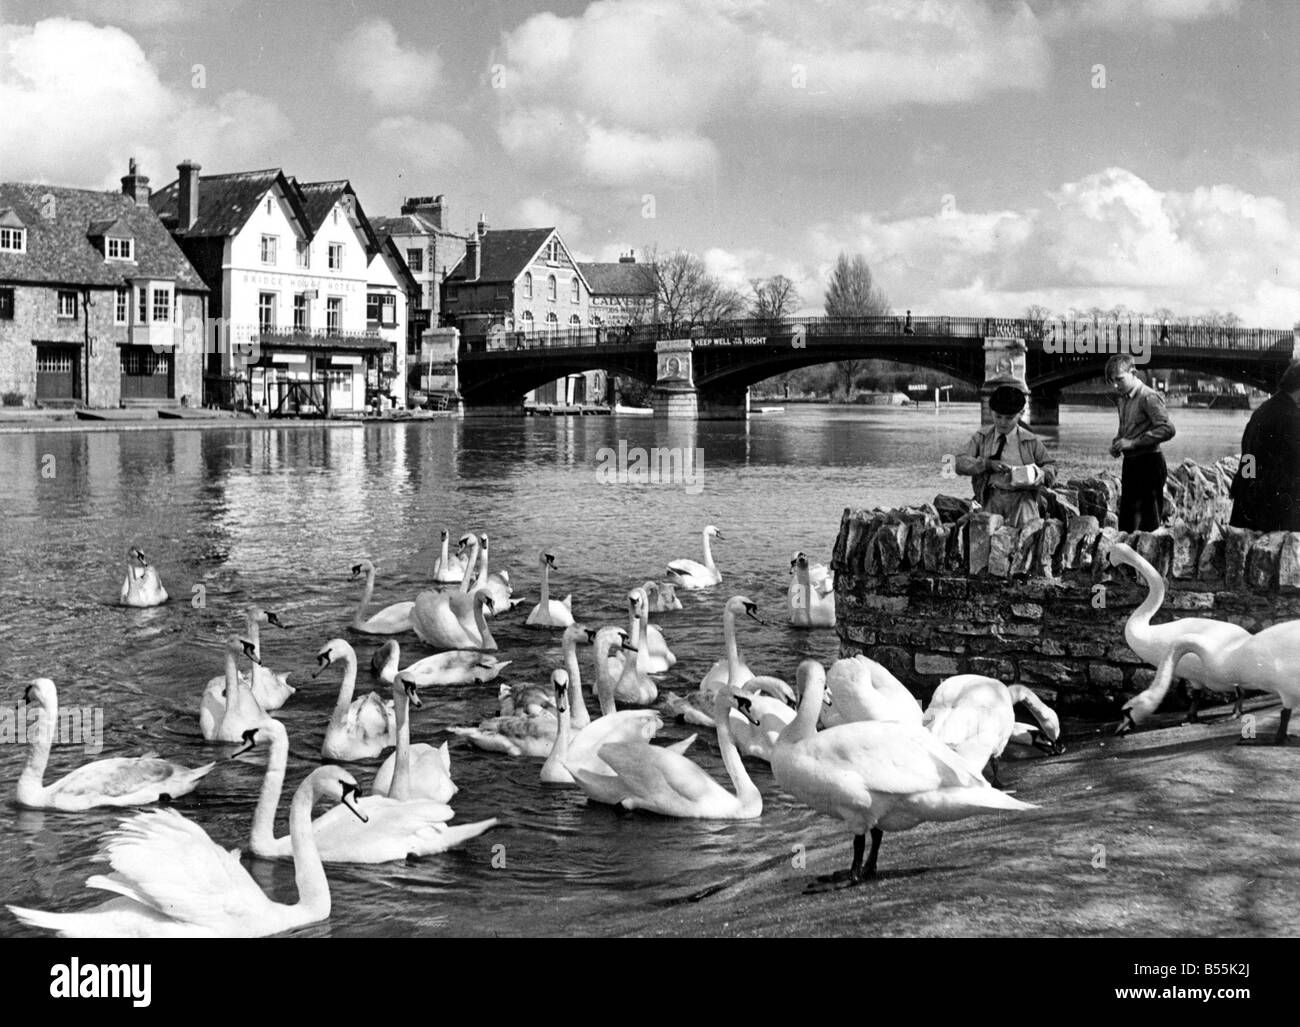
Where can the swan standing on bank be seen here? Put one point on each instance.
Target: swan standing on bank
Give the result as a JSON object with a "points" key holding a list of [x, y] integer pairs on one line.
{"points": [[974, 716], [417, 771], [449, 570], [176, 882], [862, 689], [550, 613], [692, 574], [391, 620], [876, 776], [119, 781], [1152, 642], [228, 707], [811, 599], [359, 728], [142, 586], [271, 690]]}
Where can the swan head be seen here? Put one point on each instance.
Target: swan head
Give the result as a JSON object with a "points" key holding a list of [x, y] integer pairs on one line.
{"points": [[444, 535], [362, 567], [560, 682], [711, 532], [608, 638], [577, 634], [811, 677], [483, 541], [237, 646], [794, 560], [546, 560], [743, 604], [635, 598], [334, 649], [257, 615], [412, 694], [1136, 710], [481, 598], [1122, 552], [42, 692], [465, 541], [337, 785], [745, 705], [136, 554], [269, 728], [386, 658]]}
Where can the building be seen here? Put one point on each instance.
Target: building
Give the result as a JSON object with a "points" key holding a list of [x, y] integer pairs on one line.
{"points": [[288, 266], [390, 291], [622, 293], [98, 306]]}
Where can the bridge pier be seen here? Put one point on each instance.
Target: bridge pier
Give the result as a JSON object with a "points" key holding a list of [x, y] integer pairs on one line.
{"points": [[1044, 408], [675, 402]]}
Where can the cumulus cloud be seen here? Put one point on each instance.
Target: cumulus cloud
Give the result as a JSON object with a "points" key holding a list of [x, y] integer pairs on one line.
{"points": [[82, 99], [1106, 239], [430, 145], [374, 63]]}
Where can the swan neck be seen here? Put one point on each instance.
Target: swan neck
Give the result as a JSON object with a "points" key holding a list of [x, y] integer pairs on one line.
{"points": [[1138, 625], [604, 682], [577, 701], [365, 598], [708, 554], [746, 790], [733, 654], [263, 837], [346, 688], [546, 589], [442, 560], [38, 755], [471, 563], [309, 874], [804, 724], [1035, 705], [485, 634], [400, 788], [482, 555]]}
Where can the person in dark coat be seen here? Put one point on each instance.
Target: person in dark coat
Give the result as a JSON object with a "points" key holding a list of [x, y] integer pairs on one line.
{"points": [[1266, 489]]}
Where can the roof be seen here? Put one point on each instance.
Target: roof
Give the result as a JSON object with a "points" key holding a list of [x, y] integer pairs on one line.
{"points": [[403, 273], [319, 198], [225, 202], [410, 224], [506, 253], [621, 279], [59, 248]]}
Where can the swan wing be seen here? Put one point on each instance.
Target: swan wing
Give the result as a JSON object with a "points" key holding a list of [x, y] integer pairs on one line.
{"points": [[900, 759], [687, 568], [142, 778], [657, 775]]}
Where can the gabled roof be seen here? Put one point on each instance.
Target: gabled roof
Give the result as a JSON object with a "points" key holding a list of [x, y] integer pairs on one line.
{"points": [[389, 249], [621, 279], [319, 198], [225, 202], [507, 253], [10, 219], [59, 250], [117, 226], [414, 223]]}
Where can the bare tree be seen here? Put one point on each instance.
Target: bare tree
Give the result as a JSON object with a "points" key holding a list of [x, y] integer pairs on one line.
{"points": [[773, 298], [852, 292], [689, 295]]}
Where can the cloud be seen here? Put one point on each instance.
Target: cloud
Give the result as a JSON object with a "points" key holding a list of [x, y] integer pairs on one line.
{"points": [[373, 62], [152, 13], [431, 145], [84, 98], [1066, 15], [1105, 239], [539, 212]]}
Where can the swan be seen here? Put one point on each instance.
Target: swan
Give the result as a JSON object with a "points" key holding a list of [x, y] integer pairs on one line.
{"points": [[1152, 642], [1268, 661], [758, 720], [694, 706], [393, 829], [417, 771], [173, 881], [141, 586], [456, 667], [497, 585], [691, 574], [449, 570], [120, 781], [271, 690], [876, 776], [550, 613], [391, 620], [228, 707], [359, 728], [454, 620], [531, 733], [659, 658], [811, 600], [662, 596], [730, 669], [665, 782], [973, 715], [633, 686], [862, 689]]}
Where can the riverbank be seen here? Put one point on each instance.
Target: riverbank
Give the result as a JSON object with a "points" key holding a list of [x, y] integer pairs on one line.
{"points": [[1177, 831], [28, 421]]}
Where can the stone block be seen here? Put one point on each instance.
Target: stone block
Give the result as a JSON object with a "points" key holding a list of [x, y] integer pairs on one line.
{"points": [[1003, 670], [1142, 677], [1210, 564], [934, 546], [1060, 505], [1262, 563], [1022, 557], [1027, 611], [1186, 549], [1046, 561], [1002, 549], [952, 588], [896, 660], [951, 509], [885, 603], [1085, 649], [1122, 654], [1236, 550], [1105, 674], [1050, 672], [957, 552], [932, 663], [858, 633], [1179, 599], [840, 549], [891, 546], [1102, 570], [1014, 630], [981, 528], [1156, 547], [1288, 563], [1080, 539]]}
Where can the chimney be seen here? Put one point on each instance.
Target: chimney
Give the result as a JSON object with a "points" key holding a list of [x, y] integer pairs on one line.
{"points": [[630, 258], [136, 186], [482, 225], [473, 258], [187, 198], [439, 212]]}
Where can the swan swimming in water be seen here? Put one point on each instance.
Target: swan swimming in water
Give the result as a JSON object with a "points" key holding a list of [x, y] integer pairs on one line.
{"points": [[634, 686], [449, 570], [271, 690], [454, 620], [876, 776], [391, 620], [550, 613], [173, 881], [811, 598], [455, 667], [662, 596], [425, 771], [142, 586], [730, 669], [228, 707], [119, 781], [359, 728], [690, 573]]}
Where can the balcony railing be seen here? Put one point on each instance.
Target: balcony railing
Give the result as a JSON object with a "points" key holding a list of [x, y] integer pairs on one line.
{"points": [[277, 333]]}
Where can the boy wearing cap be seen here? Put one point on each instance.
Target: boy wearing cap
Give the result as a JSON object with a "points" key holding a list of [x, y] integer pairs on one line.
{"points": [[1008, 463]]}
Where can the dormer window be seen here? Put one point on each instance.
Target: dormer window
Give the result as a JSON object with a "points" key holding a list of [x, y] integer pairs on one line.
{"points": [[553, 251], [13, 240], [119, 249]]}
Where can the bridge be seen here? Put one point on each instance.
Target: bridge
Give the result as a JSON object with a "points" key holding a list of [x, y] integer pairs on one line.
{"points": [[705, 371]]}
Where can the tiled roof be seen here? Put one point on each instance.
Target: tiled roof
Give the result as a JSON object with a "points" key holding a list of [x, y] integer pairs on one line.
{"points": [[506, 252], [59, 248], [319, 198], [619, 279], [410, 224], [225, 201]]}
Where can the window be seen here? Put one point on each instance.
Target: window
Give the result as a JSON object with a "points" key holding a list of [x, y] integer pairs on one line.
{"points": [[269, 247], [573, 291], [553, 251], [550, 287], [266, 311], [6, 304], [381, 309], [13, 239], [142, 305], [552, 322], [268, 205], [526, 321], [304, 253], [121, 306], [334, 314], [415, 260], [300, 312], [575, 322], [162, 303], [336, 256], [67, 303], [120, 249], [528, 285]]}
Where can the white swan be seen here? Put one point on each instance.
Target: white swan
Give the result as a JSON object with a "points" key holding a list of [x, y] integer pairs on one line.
{"points": [[862, 689], [974, 716], [1267, 661], [391, 620], [173, 881], [271, 690], [119, 781], [454, 620], [393, 829], [634, 686], [692, 574], [417, 771], [359, 728], [758, 720], [530, 733], [730, 669], [662, 596], [694, 707], [498, 584], [141, 586], [228, 707], [665, 782], [550, 613], [659, 658], [811, 599], [449, 570], [876, 776], [456, 667], [1151, 642]]}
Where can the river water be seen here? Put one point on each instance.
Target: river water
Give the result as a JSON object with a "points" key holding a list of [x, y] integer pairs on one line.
{"points": [[277, 515]]}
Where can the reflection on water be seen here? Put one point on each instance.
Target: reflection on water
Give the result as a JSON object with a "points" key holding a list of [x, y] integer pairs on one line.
{"points": [[278, 515]]}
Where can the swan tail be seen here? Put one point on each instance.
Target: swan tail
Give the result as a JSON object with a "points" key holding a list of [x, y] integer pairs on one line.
{"points": [[487, 741], [445, 837], [991, 798], [567, 602], [681, 747], [607, 788], [119, 885], [58, 922]]}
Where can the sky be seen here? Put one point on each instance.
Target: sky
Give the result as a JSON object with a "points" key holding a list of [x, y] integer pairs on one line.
{"points": [[983, 155]]}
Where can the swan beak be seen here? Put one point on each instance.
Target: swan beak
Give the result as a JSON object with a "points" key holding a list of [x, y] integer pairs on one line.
{"points": [[274, 618], [591, 635], [1051, 746], [751, 611], [746, 709], [356, 569], [250, 741], [28, 695], [718, 534], [1126, 725], [348, 792], [324, 660], [550, 561], [412, 694]]}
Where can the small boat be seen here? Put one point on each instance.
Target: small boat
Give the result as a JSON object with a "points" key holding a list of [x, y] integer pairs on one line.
{"points": [[770, 410], [623, 408]]}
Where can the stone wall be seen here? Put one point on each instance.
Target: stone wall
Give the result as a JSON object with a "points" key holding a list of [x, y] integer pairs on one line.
{"points": [[942, 589]]}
